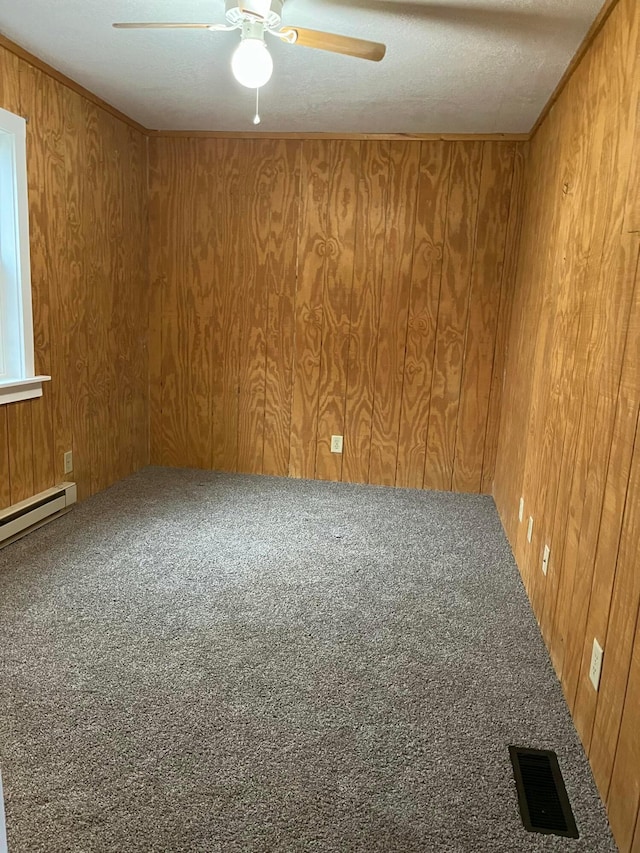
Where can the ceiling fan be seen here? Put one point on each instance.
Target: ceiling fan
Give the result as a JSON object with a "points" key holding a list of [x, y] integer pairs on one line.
{"points": [[252, 64]]}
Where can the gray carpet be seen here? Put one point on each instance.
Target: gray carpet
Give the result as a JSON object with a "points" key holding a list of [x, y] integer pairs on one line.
{"points": [[203, 662]]}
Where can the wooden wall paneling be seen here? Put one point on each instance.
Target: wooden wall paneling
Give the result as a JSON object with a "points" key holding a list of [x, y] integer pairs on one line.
{"points": [[619, 641], [482, 316], [613, 284], [19, 443], [255, 246], [138, 274], [596, 219], [631, 108], [5, 472], [159, 161], [69, 329], [404, 168], [553, 388], [510, 455], [553, 483], [624, 793], [615, 494], [345, 245], [632, 211], [119, 453], [214, 153], [235, 267], [175, 301], [46, 180], [462, 212], [195, 300], [431, 215], [97, 271], [365, 309], [584, 282], [314, 181], [82, 188], [281, 294], [338, 283], [507, 283], [606, 292], [20, 431]]}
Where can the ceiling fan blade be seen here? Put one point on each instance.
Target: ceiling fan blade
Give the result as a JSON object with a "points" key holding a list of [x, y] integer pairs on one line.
{"points": [[163, 26], [336, 44]]}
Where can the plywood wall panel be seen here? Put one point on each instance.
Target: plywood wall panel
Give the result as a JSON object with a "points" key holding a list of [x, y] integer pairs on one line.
{"points": [[431, 216], [281, 294], [484, 305], [87, 206], [256, 202], [504, 320], [402, 196], [572, 386], [315, 188], [304, 277], [5, 471], [458, 263], [365, 309], [339, 253], [19, 431]]}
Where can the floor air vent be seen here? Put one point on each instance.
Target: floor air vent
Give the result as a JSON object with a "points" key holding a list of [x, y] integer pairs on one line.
{"points": [[542, 796]]}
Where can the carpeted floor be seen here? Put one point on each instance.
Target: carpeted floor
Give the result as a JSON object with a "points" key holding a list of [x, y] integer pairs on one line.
{"points": [[218, 663]]}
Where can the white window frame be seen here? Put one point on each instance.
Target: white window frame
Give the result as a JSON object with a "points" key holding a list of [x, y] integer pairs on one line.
{"points": [[17, 377]]}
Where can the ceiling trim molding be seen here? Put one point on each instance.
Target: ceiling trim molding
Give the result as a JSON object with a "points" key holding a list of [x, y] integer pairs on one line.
{"points": [[407, 137], [591, 36], [31, 59]]}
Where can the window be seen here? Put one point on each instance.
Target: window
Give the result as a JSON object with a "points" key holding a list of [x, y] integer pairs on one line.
{"points": [[17, 379]]}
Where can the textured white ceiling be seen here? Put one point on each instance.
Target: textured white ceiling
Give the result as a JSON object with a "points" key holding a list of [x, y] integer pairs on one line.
{"points": [[456, 66]]}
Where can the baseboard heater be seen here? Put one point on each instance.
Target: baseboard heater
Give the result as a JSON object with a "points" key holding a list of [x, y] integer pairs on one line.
{"points": [[23, 517]]}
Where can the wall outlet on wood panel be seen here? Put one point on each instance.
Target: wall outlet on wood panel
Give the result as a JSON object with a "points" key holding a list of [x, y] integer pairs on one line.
{"points": [[68, 462], [521, 510], [336, 444], [530, 529], [545, 559], [596, 663]]}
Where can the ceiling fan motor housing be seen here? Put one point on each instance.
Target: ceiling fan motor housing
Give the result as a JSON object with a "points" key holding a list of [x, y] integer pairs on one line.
{"points": [[268, 13]]}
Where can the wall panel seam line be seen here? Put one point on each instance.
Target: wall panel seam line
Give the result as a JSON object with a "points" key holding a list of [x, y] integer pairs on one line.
{"points": [[325, 226], [636, 443], [380, 278], [350, 310], [435, 329], [463, 366], [445, 237], [409, 302], [605, 480], [498, 310]]}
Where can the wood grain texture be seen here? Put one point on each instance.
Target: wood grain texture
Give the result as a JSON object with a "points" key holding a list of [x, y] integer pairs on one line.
{"points": [[402, 197], [365, 309], [569, 439], [453, 312], [87, 209], [431, 216], [296, 294]]}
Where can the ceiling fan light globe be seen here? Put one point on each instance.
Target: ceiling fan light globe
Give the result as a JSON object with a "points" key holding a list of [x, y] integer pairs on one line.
{"points": [[251, 63]]}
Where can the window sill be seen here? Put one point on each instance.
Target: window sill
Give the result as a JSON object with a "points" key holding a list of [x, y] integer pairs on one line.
{"points": [[16, 390]]}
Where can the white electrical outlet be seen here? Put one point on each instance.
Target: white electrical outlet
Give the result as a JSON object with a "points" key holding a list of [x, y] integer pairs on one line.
{"points": [[530, 529], [545, 559], [521, 510], [336, 444], [596, 664], [68, 462]]}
